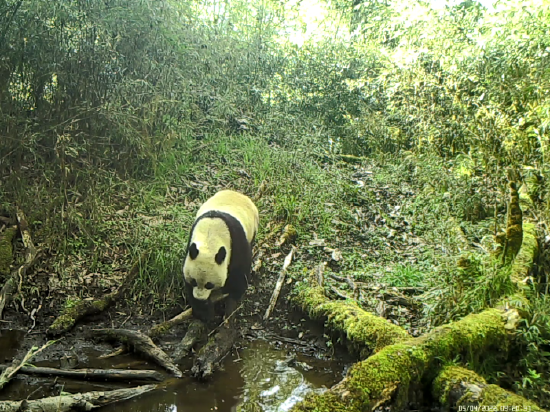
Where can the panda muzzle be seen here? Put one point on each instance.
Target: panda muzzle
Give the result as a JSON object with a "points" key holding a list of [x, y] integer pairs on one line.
{"points": [[201, 293]]}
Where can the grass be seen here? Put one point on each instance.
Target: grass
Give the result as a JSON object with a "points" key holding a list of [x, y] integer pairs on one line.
{"points": [[396, 221], [404, 275]]}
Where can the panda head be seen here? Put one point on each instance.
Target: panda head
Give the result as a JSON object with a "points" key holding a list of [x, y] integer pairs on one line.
{"points": [[205, 269]]}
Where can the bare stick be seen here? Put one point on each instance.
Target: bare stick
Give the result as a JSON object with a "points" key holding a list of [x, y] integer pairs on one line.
{"points": [[78, 401], [225, 321], [18, 275], [12, 370], [321, 273], [118, 351], [279, 285], [143, 344], [164, 327], [94, 374]]}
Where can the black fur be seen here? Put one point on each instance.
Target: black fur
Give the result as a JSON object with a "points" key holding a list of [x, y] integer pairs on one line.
{"points": [[193, 251], [220, 256], [240, 265]]}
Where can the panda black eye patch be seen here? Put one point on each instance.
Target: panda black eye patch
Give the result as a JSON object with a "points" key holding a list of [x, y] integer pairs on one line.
{"points": [[209, 285], [193, 282], [193, 251], [220, 256]]}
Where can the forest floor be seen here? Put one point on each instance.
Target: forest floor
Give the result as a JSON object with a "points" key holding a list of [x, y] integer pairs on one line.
{"points": [[386, 232]]}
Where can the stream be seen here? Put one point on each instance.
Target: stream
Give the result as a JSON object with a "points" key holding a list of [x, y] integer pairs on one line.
{"points": [[260, 377]]}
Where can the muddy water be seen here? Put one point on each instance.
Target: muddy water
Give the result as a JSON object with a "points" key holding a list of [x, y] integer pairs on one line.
{"points": [[257, 378]]}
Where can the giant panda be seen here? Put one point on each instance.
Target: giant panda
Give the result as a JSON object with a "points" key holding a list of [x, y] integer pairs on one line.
{"points": [[219, 252]]}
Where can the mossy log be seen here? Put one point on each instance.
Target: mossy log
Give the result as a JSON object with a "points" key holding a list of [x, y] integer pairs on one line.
{"points": [[523, 262], [79, 310], [78, 401], [83, 308], [457, 387], [387, 375], [364, 332], [514, 226]]}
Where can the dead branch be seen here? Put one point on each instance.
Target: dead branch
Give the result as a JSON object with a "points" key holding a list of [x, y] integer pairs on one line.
{"points": [[17, 276], [339, 293], [213, 352], [118, 351], [142, 344], [162, 328], [279, 284], [73, 314], [16, 366], [93, 374], [321, 273], [78, 401], [194, 333], [226, 321], [260, 191]]}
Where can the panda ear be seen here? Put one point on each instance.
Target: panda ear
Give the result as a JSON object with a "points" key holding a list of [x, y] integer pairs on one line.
{"points": [[193, 251], [220, 256]]}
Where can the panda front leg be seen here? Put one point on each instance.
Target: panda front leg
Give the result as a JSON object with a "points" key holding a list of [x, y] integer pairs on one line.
{"points": [[230, 308]]}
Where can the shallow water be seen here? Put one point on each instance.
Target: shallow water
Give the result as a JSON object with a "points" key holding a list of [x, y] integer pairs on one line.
{"points": [[256, 378]]}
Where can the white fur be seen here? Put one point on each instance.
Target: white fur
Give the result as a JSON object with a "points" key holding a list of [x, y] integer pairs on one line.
{"points": [[210, 234]]}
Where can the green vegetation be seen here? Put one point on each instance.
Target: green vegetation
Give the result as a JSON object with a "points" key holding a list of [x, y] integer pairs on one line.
{"points": [[386, 133]]}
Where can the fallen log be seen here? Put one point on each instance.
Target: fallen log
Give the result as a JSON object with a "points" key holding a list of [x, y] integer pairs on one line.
{"points": [[388, 374], [71, 315], [78, 401], [462, 389], [213, 352], [142, 344], [17, 276], [194, 333], [93, 374]]}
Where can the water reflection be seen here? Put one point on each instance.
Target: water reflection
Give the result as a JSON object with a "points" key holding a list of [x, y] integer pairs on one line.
{"points": [[271, 384]]}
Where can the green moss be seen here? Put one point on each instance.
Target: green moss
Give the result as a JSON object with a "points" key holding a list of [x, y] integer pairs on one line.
{"points": [[160, 329], [62, 323], [6, 250], [475, 391], [528, 252], [499, 399], [394, 368], [471, 335], [514, 228], [75, 310], [327, 402], [449, 377], [387, 375], [364, 332]]}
